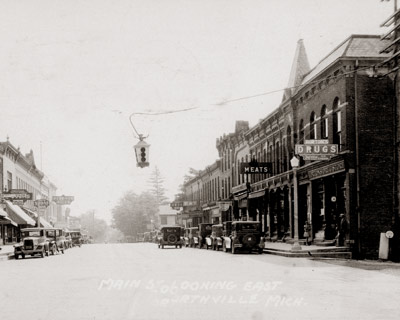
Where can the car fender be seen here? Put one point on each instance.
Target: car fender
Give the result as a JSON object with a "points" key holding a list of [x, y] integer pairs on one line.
{"points": [[228, 242], [195, 239]]}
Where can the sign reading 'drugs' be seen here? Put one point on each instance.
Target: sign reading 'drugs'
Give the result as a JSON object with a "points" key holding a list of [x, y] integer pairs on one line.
{"points": [[256, 167], [63, 199], [316, 150]]}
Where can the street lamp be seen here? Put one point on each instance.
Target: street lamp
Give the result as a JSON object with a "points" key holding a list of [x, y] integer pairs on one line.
{"points": [[295, 164]]}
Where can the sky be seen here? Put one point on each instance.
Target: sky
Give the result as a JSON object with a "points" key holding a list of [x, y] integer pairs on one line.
{"points": [[72, 72]]}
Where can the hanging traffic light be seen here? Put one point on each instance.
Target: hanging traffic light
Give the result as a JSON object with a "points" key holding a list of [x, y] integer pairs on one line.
{"points": [[142, 154]]}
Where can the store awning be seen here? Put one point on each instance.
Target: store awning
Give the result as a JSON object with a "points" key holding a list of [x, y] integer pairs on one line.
{"points": [[257, 194], [18, 215], [31, 213], [44, 223], [5, 219], [241, 196]]}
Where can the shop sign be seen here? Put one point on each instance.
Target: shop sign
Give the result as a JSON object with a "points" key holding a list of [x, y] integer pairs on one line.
{"points": [[255, 167], [62, 200], [327, 170], [316, 150], [41, 203], [176, 205], [17, 194], [389, 234]]}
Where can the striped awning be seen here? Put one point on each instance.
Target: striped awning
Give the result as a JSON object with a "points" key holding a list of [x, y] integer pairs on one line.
{"points": [[5, 219], [44, 223], [18, 215]]}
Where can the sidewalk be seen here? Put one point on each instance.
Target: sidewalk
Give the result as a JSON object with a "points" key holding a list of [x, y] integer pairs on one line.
{"points": [[312, 251], [7, 252]]}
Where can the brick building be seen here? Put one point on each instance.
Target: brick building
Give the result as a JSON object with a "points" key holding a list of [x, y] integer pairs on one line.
{"points": [[345, 99]]}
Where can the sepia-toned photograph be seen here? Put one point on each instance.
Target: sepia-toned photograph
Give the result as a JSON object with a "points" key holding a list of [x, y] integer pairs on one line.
{"points": [[191, 160]]}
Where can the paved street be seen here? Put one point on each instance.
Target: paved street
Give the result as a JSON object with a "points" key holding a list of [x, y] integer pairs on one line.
{"points": [[140, 281]]}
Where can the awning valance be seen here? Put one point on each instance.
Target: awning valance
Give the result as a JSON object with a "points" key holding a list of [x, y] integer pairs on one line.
{"points": [[18, 215], [257, 194]]}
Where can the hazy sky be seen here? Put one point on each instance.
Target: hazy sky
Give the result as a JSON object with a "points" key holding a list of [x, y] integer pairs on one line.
{"points": [[71, 73]]}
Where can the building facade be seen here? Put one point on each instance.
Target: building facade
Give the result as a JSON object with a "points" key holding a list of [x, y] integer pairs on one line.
{"points": [[347, 101]]}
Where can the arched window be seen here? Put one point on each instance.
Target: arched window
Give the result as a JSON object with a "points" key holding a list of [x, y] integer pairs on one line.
{"points": [[313, 126], [301, 131], [324, 123], [337, 123], [289, 142]]}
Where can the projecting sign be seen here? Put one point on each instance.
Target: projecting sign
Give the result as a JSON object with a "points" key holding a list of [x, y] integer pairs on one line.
{"points": [[316, 150], [255, 167], [61, 200], [17, 194], [41, 203], [176, 205]]}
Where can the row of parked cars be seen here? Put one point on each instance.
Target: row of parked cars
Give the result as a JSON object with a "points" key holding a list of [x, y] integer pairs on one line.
{"points": [[229, 236], [43, 241]]}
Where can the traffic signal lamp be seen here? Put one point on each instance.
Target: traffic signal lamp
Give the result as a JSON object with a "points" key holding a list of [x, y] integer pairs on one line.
{"points": [[142, 154]]}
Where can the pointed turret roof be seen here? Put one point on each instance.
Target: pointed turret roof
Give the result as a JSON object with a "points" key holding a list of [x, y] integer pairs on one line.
{"points": [[300, 67]]}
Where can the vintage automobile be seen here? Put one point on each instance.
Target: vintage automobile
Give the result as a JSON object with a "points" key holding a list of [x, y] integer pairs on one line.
{"points": [[170, 236], [68, 239], [57, 240], [76, 238], [246, 236], [34, 241], [226, 236], [193, 236], [204, 232], [214, 240]]}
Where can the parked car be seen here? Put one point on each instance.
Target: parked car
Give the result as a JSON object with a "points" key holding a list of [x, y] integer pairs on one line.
{"points": [[193, 235], [204, 231], [76, 238], [226, 236], [214, 240], [170, 236], [57, 240], [246, 236], [34, 241], [68, 239]]}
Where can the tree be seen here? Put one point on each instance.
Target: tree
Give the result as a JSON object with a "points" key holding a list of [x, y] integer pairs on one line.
{"points": [[135, 213], [156, 181]]}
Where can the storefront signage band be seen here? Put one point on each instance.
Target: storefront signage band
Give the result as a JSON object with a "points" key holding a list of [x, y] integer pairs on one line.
{"points": [[327, 170]]}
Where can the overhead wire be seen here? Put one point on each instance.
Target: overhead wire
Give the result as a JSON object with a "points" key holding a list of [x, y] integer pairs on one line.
{"points": [[222, 103]]}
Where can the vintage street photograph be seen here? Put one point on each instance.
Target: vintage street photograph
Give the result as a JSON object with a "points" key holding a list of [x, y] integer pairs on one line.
{"points": [[199, 159]]}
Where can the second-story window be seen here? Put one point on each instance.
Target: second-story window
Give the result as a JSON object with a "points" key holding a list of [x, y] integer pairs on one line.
{"points": [[337, 123], [301, 132], [9, 180], [313, 126], [324, 123]]}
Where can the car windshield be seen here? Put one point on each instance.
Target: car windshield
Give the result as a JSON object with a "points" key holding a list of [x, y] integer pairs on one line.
{"points": [[51, 233], [36, 233], [171, 230], [195, 232], [249, 226]]}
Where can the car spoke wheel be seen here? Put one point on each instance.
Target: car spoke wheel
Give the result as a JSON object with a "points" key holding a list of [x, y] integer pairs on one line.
{"points": [[16, 256]]}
